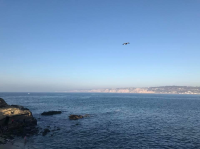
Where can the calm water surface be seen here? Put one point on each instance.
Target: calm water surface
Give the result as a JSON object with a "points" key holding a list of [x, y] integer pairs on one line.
{"points": [[116, 120]]}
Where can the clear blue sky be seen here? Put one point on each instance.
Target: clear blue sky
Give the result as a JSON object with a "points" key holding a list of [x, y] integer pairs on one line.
{"points": [[58, 45]]}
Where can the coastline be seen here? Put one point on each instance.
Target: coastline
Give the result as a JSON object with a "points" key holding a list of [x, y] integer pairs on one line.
{"points": [[16, 122], [145, 90]]}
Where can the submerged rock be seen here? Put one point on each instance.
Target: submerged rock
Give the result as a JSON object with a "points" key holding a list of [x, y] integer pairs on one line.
{"points": [[45, 131], [75, 117], [51, 112]]}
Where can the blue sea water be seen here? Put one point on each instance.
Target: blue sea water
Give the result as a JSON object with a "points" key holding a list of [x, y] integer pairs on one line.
{"points": [[128, 121]]}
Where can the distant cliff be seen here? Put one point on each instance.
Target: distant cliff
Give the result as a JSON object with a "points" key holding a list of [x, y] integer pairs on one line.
{"points": [[149, 90]]}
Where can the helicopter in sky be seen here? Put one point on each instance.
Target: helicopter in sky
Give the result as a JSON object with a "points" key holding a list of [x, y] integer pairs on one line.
{"points": [[125, 43]]}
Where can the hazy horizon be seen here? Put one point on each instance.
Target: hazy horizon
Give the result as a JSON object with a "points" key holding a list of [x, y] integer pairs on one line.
{"points": [[48, 46], [71, 90]]}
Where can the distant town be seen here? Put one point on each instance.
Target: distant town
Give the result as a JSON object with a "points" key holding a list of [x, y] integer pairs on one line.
{"points": [[149, 90]]}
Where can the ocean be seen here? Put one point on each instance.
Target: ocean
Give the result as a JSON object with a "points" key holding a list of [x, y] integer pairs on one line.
{"points": [[121, 121]]}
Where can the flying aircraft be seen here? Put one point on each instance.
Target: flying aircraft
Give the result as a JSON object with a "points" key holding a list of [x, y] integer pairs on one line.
{"points": [[125, 43]]}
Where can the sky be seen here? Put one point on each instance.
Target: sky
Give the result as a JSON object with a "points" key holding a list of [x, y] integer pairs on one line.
{"points": [[50, 45]]}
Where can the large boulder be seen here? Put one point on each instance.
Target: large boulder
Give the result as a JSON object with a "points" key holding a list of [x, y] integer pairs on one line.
{"points": [[51, 112], [15, 113]]}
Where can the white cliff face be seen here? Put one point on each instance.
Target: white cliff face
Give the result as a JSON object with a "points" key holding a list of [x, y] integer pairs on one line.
{"points": [[149, 90], [118, 90]]}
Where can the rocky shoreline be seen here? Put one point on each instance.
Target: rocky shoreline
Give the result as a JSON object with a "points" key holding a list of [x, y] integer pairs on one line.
{"points": [[16, 121]]}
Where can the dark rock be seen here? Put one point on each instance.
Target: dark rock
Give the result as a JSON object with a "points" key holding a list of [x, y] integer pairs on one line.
{"points": [[45, 131], [28, 129], [51, 112], [10, 137], [6, 121], [75, 117], [3, 103], [34, 121], [20, 107]]}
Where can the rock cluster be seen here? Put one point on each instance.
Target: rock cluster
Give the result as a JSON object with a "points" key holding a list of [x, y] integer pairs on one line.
{"points": [[16, 121], [14, 113]]}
